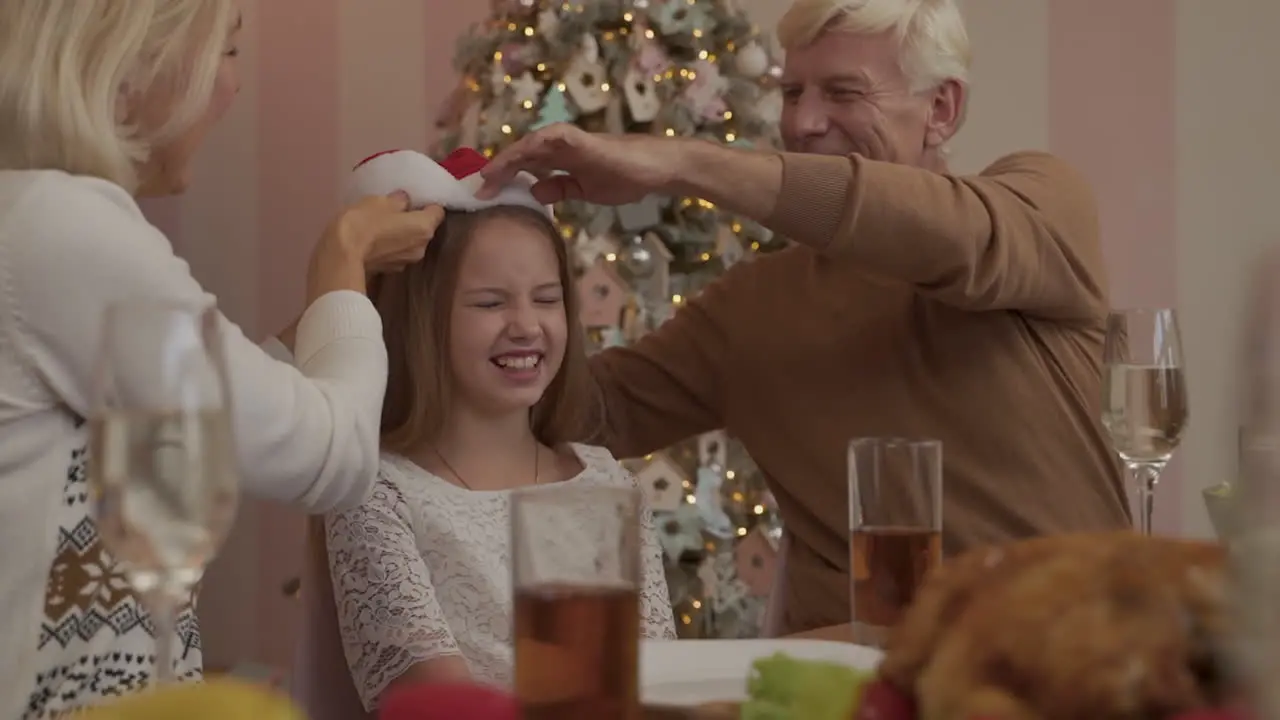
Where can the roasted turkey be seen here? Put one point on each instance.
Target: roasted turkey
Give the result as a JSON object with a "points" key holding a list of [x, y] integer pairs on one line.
{"points": [[1110, 626]]}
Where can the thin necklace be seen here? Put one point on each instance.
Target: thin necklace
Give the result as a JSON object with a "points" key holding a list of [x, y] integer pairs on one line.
{"points": [[467, 485]]}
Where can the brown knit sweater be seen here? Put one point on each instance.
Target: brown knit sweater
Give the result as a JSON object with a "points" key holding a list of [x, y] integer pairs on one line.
{"points": [[966, 309]]}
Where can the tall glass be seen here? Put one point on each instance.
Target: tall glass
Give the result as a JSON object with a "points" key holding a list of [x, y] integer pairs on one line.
{"points": [[1145, 407], [576, 576], [162, 464], [895, 528]]}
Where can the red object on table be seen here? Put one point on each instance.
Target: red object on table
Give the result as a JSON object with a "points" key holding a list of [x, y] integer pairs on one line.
{"points": [[455, 701], [882, 701]]}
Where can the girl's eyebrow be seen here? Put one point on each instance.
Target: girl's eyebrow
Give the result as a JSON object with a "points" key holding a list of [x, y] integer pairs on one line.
{"points": [[502, 291]]}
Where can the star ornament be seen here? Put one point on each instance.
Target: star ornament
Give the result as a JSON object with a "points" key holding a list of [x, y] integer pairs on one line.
{"points": [[526, 90]]}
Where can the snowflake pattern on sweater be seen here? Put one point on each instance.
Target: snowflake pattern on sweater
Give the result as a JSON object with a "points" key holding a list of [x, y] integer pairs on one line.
{"points": [[96, 640]]}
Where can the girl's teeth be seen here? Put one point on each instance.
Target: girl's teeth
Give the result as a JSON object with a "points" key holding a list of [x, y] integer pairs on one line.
{"points": [[518, 363]]}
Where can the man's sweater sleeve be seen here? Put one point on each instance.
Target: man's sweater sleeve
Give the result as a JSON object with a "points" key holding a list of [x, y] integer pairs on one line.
{"points": [[1022, 235], [670, 385]]}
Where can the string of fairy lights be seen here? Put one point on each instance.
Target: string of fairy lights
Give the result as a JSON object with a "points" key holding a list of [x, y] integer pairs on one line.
{"points": [[526, 28], [676, 68], [530, 50]]}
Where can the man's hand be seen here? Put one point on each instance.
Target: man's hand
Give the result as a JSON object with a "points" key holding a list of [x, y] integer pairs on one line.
{"points": [[600, 169], [621, 169]]}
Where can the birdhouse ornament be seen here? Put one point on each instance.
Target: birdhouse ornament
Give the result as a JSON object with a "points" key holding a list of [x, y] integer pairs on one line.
{"points": [[756, 560], [602, 295], [586, 78], [451, 183], [662, 482], [642, 94]]}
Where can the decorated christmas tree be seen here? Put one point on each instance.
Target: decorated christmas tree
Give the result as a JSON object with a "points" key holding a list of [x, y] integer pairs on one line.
{"points": [[691, 68]]}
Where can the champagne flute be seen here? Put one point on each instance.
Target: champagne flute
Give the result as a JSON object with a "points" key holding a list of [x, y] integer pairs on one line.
{"points": [[161, 462], [1144, 406]]}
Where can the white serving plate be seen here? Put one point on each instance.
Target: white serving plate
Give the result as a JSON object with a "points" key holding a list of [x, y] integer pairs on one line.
{"points": [[690, 672]]}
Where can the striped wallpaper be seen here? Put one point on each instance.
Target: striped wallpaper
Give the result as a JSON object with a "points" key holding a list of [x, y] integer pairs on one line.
{"points": [[1156, 100]]}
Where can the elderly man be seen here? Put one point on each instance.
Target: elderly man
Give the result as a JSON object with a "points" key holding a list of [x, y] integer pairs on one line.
{"points": [[914, 302]]}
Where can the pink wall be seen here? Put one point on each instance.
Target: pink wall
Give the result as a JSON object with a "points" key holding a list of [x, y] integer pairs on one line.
{"points": [[298, 172], [1111, 113], [330, 81]]}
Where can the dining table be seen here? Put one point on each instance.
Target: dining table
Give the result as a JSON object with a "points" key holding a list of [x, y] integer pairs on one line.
{"points": [[730, 711], [833, 633]]}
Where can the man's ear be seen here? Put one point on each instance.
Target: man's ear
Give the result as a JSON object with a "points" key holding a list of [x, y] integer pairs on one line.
{"points": [[946, 112]]}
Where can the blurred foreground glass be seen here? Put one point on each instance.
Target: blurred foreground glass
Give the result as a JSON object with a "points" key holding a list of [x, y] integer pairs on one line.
{"points": [[1144, 399], [162, 464], [1252, 514], [576, 577], [895, 528]]}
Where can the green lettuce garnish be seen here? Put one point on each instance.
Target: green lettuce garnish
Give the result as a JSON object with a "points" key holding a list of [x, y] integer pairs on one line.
{"points": [[784, 688]]}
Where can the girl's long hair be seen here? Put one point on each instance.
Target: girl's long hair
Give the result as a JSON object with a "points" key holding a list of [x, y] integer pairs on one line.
{"points": [[416, 307]]}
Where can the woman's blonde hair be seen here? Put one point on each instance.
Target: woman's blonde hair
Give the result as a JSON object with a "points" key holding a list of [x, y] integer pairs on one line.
{"points": [[417, 306], [68, 69], [935, 44]]}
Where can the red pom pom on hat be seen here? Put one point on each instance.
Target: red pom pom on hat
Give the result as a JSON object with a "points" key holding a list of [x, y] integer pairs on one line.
{"points": [[464, 162], [460, 163]]}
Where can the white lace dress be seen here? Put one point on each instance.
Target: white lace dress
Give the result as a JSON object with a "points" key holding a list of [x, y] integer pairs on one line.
{"points": [[422, 570]]}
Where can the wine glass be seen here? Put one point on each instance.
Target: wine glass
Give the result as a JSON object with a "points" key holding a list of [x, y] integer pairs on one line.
{"points": [[162, 465], [1144, 400]]}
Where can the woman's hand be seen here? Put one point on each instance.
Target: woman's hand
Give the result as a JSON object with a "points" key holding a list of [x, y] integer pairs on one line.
{"points": [[376, 234], [390, 234]]}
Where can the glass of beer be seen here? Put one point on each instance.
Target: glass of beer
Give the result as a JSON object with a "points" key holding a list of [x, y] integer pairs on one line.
{"points": [[576, 576], [895, 528]]}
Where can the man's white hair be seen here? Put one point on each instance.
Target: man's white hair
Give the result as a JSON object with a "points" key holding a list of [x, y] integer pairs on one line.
{"points": [[67, 66], [935, 44]]}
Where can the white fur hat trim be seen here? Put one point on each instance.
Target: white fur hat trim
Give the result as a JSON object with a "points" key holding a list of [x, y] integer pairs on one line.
{"points": [[451, 183]]}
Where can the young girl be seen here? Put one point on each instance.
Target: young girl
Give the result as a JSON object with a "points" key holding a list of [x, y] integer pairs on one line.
{"points": [[488, 383]]}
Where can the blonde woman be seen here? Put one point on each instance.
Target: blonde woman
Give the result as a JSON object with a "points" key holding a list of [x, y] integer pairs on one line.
{"points": [[102, 102]]}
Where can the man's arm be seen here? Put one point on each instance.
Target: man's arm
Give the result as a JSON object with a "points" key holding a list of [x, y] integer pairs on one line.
{"points": [[1023, 235], [669, 386]]}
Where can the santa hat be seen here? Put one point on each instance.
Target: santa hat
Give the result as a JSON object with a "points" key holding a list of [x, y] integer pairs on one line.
{"points": [[451, 183]]}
